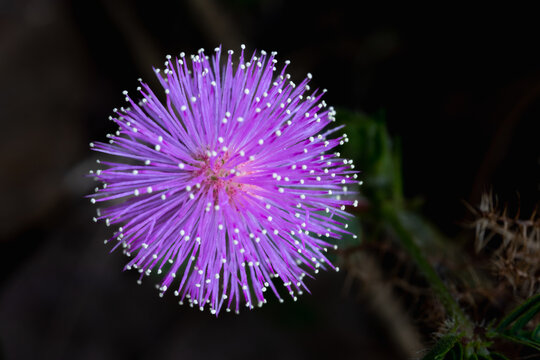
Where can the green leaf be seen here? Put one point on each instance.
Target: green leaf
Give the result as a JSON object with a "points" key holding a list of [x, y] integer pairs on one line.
{"points": [[442, 347], [512, 326], [456, 353], [536, 334], [525, 318], [518, 311], [523, 341]]}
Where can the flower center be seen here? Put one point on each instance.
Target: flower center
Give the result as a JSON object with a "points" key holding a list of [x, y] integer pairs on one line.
{"points": [[217, 176]]}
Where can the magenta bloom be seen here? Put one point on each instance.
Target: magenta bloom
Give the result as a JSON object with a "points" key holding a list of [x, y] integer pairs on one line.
{"points": [[229, 187]]}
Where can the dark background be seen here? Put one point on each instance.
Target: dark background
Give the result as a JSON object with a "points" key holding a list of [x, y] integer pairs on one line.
{"points": [[460, 87]]}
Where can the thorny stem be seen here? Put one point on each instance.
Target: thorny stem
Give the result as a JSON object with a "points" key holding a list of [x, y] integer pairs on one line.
{"points": [[440, 289]]}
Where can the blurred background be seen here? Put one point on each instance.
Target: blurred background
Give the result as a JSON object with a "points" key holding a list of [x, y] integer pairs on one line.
{"points": [[460, 88]]}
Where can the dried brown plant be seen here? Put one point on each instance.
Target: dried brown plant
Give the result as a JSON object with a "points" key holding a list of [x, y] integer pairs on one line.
{"points": [[512, 245]]}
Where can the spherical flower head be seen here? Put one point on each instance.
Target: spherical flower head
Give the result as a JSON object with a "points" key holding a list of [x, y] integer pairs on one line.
{"points": [[228, 187]]}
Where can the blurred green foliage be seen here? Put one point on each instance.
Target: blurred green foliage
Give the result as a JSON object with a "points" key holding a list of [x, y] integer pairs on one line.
{"points": [[377, 155]]}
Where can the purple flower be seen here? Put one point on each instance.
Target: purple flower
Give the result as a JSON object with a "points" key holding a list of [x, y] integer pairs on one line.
{"points": [[228, 187]]}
